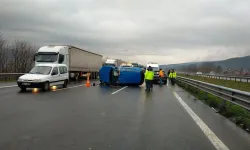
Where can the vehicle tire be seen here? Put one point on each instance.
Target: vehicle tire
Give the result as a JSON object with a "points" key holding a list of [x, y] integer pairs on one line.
{"points": [[23, 88], [46, 86], [76, 76], [65, 84]]}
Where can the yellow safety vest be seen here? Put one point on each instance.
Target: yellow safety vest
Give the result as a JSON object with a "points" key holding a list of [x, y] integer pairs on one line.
{"points": [[172, 75], [149, 75]]}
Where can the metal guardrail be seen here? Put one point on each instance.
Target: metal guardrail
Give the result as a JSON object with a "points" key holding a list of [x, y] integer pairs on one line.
{"points": [[233, 78], [234, 96], [10, 76], [222, 77]]}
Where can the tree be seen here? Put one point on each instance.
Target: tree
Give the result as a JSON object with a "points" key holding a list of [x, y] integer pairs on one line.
{"points": [[241, 71], [16, 57], [219, 69]]}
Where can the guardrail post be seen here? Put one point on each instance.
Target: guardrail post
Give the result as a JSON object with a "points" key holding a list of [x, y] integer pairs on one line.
{"points": [[233, 99]]}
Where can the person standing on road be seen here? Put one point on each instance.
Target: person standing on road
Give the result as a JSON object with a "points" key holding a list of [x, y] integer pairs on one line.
{"points": [[169, 72], [172, 76], [161, 75], [149, 76]]}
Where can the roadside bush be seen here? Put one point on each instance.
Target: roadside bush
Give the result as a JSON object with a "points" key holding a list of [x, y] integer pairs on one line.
{"points": [[235, 113]]}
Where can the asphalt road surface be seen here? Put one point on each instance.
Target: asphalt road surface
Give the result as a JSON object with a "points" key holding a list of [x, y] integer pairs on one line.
{"points": [[113, 118]]}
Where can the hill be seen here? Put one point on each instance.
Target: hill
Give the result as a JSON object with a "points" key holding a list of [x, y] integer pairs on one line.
{"points": [[232, 63]]}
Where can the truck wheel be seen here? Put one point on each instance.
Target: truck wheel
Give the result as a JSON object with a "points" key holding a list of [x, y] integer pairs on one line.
{"points": [[46, 86], [95, 75], [76, 76], [65, 84]]}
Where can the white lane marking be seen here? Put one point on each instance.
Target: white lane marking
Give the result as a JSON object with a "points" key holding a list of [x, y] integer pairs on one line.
{"points": [[7, 86], [218, 144], [119, 90]]}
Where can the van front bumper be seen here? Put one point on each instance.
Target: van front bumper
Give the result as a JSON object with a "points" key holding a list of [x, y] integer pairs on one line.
{"points": [[30, 84]]}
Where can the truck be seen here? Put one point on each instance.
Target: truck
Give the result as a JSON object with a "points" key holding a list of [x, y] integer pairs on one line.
{"points": [[78, 61], [113, 62]]}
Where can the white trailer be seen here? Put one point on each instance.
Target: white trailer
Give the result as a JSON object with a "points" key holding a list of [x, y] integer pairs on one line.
{"points": [[79, 61]]}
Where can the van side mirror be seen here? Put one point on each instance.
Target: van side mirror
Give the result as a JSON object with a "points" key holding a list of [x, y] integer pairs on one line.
{"points": [[61, 58]]}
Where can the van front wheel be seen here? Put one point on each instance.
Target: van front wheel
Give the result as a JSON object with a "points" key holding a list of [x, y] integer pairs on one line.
{"points": [[46, 86], [23, 88]]}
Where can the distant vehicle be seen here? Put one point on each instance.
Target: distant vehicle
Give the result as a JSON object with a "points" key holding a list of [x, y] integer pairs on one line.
{"points": [[126, 65], [77, 60], [127, 75], [113, 62], [198, 73], [135, 64], [43, 76], [142, 67], [156, 70], [212, 73]]}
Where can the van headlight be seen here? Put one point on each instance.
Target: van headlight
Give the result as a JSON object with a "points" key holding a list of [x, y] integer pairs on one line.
{"points": [[19, 79]]}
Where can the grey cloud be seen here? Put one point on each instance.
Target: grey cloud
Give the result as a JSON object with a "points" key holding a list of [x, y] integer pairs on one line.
{"points": [[144, 27]]}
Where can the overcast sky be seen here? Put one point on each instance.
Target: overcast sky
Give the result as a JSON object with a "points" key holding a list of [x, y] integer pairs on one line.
{"points": [[165, 31]]}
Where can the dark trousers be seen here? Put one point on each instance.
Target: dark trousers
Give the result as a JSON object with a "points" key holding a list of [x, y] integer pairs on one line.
{"points": [[148, 85], [173, 81], [161, 82]]}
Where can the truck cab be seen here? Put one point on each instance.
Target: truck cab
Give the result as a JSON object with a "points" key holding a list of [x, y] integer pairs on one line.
{"points": [[52, 54], [111, 62]]}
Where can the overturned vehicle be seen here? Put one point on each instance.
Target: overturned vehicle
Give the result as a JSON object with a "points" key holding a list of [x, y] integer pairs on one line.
{"points": [[124, 76]]}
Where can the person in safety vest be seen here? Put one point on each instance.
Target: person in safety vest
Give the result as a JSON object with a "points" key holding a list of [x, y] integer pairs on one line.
{"points": [[149, 76], [172, 76], [161, 75]]}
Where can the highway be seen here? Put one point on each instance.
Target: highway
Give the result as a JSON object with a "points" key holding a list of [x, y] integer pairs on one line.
{"points": [[113, 118]]}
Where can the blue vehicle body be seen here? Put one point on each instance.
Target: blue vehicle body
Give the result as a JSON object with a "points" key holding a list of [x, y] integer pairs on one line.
{"points": [[127, 76]]}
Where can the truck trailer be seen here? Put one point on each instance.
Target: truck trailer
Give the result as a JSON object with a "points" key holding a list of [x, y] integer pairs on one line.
{"points": [[78, 61]]}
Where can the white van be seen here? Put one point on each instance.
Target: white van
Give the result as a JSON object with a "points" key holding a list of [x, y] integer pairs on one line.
{"points": [[43, 76], [156, 69]]}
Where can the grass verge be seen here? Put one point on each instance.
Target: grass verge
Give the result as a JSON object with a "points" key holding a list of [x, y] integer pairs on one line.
{"points": [[237, 114], [230, 84], [8, 81]]}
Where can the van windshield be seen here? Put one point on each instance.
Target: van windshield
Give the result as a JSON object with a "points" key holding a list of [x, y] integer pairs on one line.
{"points": [[46, 57], [155, 68], [45, 70]]}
